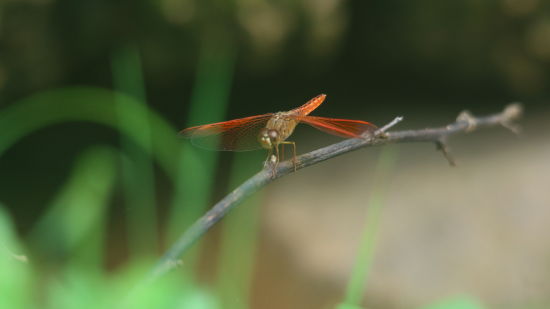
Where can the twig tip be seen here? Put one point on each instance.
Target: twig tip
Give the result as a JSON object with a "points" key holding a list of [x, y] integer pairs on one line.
{"points": [[512, 112], [385, 128]]}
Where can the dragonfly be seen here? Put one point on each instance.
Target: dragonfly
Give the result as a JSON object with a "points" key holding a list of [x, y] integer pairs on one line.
{"points": [[271, 131]]}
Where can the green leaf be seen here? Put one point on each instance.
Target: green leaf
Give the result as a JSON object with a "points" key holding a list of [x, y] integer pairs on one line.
{"points": [[16, 271], [74, 224]]}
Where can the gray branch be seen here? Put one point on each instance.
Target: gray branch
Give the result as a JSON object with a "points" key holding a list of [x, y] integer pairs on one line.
{"points": [[465, 123]]}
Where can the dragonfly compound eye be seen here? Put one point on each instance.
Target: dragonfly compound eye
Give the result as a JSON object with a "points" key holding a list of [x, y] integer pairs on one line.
{"points": [[273, 134], [264, 139]]}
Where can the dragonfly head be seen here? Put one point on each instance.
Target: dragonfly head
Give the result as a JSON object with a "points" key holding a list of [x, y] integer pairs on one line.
{"points": [[268, 138]]}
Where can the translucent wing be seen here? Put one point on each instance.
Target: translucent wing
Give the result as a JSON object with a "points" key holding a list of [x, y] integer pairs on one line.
{"points": [[340, 127], [233, 135]]}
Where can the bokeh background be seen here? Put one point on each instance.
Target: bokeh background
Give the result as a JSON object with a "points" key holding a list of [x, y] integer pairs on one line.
{"points": [[95, 183]]}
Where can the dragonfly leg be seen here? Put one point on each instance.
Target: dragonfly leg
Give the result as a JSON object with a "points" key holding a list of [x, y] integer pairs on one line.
{"points": [[276, 156], [274, 161], [268, 159], [293, 152]]}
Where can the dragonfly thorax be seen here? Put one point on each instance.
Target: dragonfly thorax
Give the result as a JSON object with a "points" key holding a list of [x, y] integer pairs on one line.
{"points": [[277, 129]]}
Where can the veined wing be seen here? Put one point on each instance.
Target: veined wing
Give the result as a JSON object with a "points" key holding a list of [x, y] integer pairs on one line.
{"points": [[233, 135], [345, 128], [309, 106]]}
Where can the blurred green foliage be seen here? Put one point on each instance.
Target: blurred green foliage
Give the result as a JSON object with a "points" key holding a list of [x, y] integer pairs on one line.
{"points": [[375, 201], [17, 276], [137, 168], [457, 303]]}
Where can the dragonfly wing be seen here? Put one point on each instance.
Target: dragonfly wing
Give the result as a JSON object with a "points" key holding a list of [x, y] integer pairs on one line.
{"points": [[233, 135], [345, 128], [309, 106]]}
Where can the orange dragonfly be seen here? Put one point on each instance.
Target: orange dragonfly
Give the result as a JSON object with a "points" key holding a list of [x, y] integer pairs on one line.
{"points": [[271, 130]]}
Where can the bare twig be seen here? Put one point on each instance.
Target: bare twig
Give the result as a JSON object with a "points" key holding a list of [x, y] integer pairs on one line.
{"points": [[466, 122], [385, 128], [442, 146]]}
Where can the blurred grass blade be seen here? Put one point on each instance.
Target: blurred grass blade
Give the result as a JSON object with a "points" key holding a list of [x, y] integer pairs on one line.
{"points": [[457, 303], [238, 239], [16, 278], [94, 105], [137, 167], [74, 224], [357, 282], [208, 104]]}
